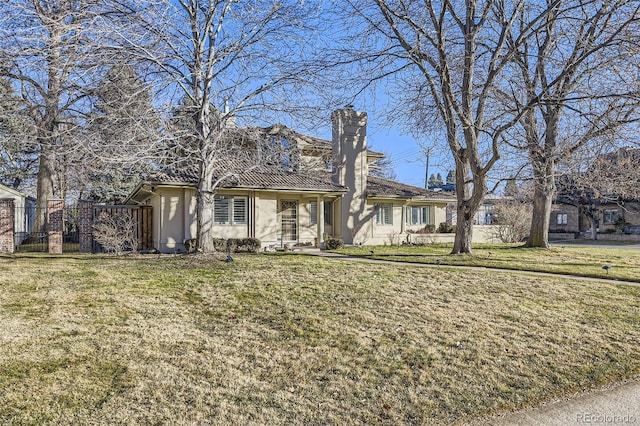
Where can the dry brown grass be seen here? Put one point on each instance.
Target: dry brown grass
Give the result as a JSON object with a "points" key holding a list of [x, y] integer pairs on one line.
{"points": [[293, 339], [560, 259]]}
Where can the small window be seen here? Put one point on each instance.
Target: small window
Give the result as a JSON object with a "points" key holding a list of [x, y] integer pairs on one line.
{"points": [[239, 211], [229, 210], [610, 217], [313, 212], [418, 215], [562, 218], [221, 210], [384, 214]]}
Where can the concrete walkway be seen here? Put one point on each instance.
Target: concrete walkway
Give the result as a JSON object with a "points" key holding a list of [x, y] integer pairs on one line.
{"points": [[616, 404], [320, 253]]}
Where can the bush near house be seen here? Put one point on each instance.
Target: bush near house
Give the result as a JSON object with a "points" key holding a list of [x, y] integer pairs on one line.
{"points": [[446, 228], [334, 243], [237, 245]]}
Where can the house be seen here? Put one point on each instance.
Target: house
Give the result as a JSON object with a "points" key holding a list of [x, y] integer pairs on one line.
{"points": [[330, 194], [24, 214], [604, 198]]}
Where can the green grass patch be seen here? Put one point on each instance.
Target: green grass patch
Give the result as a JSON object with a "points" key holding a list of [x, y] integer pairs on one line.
{"points": [[297, 339], [560, 259]]}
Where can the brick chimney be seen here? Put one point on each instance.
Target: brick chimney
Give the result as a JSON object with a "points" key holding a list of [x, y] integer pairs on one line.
{"points": [[350, 168]]}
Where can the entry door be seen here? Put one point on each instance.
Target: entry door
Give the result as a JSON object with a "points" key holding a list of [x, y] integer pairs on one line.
{"points": [[289, 209]]}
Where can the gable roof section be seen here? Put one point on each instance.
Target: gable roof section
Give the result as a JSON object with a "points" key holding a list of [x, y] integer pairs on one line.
{"points": [[4, 189], [378, 187]]}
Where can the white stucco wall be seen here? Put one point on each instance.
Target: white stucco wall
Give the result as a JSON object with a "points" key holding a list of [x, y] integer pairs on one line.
{"points": [[24, 209], [266, 218]]}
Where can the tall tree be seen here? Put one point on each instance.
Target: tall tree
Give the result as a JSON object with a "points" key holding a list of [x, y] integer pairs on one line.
{"points": [[17, 154], [226, 53], [46, 51], [580, 74], [120, 137], [449, 58]]}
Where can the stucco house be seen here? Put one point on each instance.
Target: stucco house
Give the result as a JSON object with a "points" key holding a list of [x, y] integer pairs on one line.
{"points": [[333, 195], [24, 211]]}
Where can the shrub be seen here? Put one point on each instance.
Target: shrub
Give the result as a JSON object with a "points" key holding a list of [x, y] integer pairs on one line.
{"points": [[237, 245], [245, 245], [428, 229], [116, 233], [446, 228], [191, 245], [220, 244], [334, 243]]}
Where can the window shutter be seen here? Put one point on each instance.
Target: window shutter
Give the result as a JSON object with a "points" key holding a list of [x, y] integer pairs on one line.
{"points": [[239, 210], [221, 210], [388, 214], [313, 212]]}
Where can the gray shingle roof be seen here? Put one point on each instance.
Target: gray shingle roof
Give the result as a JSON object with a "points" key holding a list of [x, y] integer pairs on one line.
{"points": [[385, 188], [275, 178], [260, 177]]}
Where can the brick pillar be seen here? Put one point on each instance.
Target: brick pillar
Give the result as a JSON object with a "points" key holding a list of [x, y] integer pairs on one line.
{"points": [[85, 226], [55, 210], [7, 212]]}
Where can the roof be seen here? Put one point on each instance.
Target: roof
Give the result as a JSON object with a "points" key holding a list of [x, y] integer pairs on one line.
{"points": [[378, 187], [12, 192], [309, 141], [275, 178], [255, 177]]}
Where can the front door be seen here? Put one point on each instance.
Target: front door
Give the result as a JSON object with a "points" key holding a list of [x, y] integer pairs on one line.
{"points": [[289, 209]]}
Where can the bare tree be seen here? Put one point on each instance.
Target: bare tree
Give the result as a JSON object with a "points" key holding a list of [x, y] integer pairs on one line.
{"points": [[580, 74], [450, 58], [596, 179], [512, 220], [226, 58], [47, 52]]}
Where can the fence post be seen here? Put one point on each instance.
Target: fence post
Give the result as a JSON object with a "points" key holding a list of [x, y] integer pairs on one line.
{"points": [[7, 216], [85, 226], [55, 211]]}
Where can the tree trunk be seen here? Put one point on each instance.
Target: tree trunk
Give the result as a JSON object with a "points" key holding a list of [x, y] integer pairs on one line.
{"points": [[469, 198], [464, 230], [544, 192], [44, 187], [205, 210]]}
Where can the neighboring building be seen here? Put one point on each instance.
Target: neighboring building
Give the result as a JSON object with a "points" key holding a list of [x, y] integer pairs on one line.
{"points": [[24, 211], [301, 205], [565, 218], [606, 197]]}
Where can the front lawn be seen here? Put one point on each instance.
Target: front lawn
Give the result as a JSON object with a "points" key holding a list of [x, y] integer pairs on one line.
{"points": [[297, 340], [561, 259]]}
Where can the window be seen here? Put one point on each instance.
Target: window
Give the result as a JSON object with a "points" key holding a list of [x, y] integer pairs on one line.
{"points": [[384, 214], [328, 213], [229, 210], [418, 215], [313, 212], [610, 217], [562, 218]]}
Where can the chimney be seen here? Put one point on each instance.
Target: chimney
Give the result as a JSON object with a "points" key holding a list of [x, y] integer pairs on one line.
{"points": [[350, 168]]}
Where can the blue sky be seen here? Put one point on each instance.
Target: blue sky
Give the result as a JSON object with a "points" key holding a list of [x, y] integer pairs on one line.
{"points": [[406, 152]]}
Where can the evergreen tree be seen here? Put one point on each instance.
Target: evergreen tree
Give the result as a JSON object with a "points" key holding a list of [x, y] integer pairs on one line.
{"points": [[451, 177], [123, 122]]}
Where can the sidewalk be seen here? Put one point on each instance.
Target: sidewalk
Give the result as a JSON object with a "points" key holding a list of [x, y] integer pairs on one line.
{"points": [[616, 405]]}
